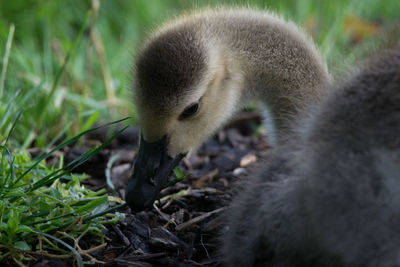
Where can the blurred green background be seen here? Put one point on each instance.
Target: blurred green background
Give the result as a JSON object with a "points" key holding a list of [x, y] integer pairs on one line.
{"points": [[66, 70]]}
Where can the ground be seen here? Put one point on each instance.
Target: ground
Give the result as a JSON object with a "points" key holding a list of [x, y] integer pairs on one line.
{"points": [[183, 227]]}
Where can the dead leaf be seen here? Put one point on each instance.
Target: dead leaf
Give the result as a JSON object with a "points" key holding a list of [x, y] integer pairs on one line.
{"points": [[248, 159], [359, 29]]}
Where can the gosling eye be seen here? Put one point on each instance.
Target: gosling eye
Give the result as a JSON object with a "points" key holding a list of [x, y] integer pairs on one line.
{"points": [[189, 111]]}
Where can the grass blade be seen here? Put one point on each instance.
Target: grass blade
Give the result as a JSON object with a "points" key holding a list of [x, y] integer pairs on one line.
{"points": [[9, 105], [65, 143], [5, 59], [73, 164], [61, 70], [51, 143], [13, 126], [117, 207]]}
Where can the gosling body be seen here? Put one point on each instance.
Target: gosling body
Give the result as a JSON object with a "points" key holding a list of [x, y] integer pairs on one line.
{"points": [[333, 197]]}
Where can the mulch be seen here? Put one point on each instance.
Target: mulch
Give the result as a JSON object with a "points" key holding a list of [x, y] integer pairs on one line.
{"points": [[185, 223]]}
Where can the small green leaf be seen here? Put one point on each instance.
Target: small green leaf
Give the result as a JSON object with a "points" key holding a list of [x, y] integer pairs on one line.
{"points": [[178, 172], [22, 245], [92, 204], [55, 193], [24, 228], [179, 177], [13, 221]]}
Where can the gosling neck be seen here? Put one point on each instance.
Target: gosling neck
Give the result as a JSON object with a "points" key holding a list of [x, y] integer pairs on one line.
{"points": [[280, 65]]}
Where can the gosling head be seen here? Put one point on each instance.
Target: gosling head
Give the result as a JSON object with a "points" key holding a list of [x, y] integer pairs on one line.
{"points": [[185, 89]]}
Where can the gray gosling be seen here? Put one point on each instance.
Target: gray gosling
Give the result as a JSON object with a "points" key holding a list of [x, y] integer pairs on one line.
{"points": [[194, 72], [333, 197]]}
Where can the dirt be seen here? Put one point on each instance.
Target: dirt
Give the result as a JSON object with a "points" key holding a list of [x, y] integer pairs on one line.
{"points": [[184, 225]]}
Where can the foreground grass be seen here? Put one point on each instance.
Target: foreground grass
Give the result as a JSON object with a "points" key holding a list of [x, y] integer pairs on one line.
{"points": [[42, 216]]}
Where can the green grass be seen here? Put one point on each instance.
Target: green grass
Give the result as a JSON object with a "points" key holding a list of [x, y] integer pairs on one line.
{"points": [[42, 216]]}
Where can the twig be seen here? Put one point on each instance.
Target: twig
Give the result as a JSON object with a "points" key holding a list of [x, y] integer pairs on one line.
{"points": [[202, 244], [141, 257], [121, 235], [93, 249], [166, 217], [74, 252], [199, 218], [85, 252], [205, 179], [177, 195], [50, 255]]}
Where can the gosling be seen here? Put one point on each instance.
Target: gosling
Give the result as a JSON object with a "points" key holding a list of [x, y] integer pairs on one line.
{"points": [[194, 72], [332, 197]]}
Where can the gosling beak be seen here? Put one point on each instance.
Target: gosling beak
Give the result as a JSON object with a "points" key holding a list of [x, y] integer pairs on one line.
{"points": [[150, 173]]}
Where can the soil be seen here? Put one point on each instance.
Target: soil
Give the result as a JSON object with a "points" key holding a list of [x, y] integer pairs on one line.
{"points": [[185, 223]]}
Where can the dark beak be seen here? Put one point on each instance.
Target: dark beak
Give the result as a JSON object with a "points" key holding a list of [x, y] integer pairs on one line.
{"points": [[151, 171]]}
